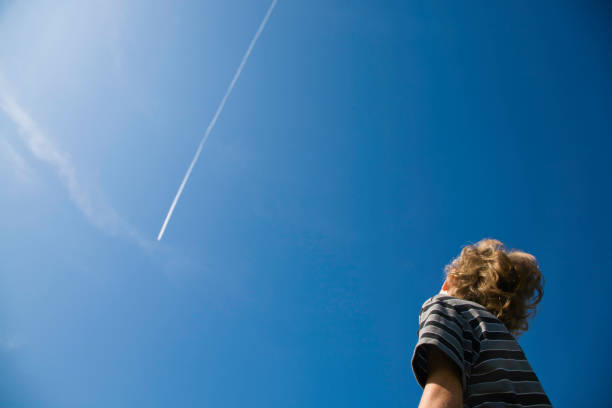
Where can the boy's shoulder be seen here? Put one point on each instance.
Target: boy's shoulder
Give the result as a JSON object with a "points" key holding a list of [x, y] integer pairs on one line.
{"points": [[445, 300]]}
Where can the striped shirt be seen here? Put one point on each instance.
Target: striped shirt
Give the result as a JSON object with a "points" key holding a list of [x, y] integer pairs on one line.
{"points": [[494, 370]]}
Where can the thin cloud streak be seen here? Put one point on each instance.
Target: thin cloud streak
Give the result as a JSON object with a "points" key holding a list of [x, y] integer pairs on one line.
{"points": [[98, 213], [214, 119], [15, 160]]}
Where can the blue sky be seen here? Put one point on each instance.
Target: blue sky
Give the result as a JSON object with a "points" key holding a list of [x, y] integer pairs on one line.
{"points": [[364, 144]]}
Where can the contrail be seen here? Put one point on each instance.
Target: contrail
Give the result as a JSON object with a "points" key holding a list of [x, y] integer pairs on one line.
{"points": [[214, 119]]}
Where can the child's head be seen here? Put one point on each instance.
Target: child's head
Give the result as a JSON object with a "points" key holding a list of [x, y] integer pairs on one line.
{"points": [[508, 283]]}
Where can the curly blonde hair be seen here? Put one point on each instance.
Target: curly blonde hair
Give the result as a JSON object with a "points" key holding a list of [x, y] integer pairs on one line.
{"points": [[508, 283]]}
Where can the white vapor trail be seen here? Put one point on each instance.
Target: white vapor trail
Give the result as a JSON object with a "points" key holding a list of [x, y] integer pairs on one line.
{"points": [[214, 118]]}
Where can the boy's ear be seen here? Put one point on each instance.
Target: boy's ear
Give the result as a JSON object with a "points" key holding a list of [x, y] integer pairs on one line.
{"points": [[445, 285]]}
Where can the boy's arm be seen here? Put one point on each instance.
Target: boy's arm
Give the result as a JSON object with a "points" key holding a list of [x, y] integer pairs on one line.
{"points": [[443, 388]]}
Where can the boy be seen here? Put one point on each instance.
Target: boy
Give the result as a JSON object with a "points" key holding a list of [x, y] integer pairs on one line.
{"points": [[467, 354]]}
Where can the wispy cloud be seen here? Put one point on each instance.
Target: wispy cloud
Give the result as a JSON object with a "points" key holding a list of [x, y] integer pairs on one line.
{"points": [[15, 161], [97, 212]]}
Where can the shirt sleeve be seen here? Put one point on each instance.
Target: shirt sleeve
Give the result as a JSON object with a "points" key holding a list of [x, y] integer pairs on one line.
{"points": [[443, 327]]}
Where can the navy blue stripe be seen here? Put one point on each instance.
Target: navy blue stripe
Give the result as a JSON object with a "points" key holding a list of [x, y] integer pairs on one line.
{"points": [[467, 335], [496, 336], [475, 322], [465, 308], [502, 374], [444, 315], [439, 304], [445, 328], [458, 308], [442, 340], [505, 354], [510, 398], [467, 355]]}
